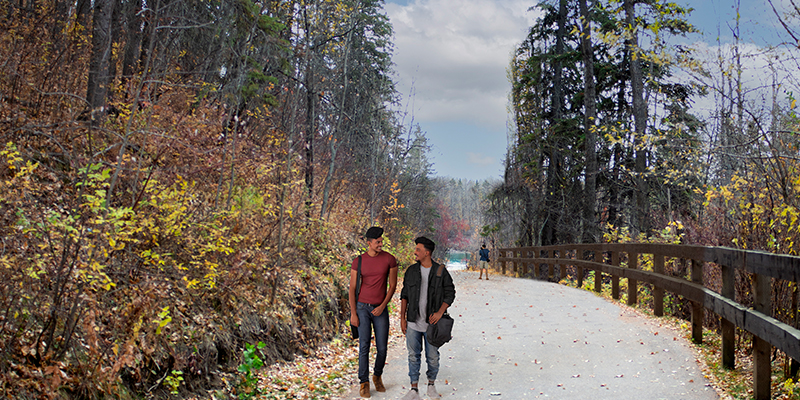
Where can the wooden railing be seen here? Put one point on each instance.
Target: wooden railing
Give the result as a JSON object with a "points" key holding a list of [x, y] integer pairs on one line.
{"points": [[605, 259]]}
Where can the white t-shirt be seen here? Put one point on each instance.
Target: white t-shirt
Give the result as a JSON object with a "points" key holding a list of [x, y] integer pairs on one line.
{"points": [[421, 324]]}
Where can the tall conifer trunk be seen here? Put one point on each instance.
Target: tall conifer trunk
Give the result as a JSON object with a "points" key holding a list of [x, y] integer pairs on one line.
{"points": [[554, 167], [590, 113], [640, 122]]}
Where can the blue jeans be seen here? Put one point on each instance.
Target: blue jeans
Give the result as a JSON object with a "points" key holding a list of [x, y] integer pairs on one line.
{"points": [[381, 326], [414, 345]]}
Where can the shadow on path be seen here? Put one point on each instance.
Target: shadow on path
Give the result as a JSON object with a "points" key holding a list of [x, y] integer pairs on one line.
{"points": [[520, 338]]}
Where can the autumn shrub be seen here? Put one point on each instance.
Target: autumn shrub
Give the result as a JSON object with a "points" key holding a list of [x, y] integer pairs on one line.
{"points": [[107, 298], [146, 241], [143, 275]]}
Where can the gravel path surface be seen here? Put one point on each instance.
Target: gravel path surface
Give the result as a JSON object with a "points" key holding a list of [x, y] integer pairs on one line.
{"points": [[520, 338]]}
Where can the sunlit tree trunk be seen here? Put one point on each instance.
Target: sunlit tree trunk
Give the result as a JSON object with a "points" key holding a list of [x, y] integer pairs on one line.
{"points": [[334, 141]]}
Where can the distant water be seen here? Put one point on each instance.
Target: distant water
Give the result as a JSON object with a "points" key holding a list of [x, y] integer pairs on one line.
{"points": [[456, 265]]}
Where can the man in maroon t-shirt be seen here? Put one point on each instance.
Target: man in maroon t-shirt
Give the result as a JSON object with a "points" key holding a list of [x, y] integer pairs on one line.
{"points": [[369, 306]]}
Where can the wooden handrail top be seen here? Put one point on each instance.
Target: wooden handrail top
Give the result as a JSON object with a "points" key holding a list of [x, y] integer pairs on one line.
{"points": [[778, 266]]}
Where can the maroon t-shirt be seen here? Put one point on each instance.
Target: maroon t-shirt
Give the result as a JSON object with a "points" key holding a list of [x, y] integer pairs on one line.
{"points": [[374, 276]]}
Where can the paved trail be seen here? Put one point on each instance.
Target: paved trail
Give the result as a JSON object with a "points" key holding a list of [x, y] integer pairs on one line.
{"points": [[520, 338]]}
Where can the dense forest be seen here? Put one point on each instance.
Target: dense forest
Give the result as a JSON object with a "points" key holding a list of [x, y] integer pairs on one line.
{"points": [[183, 178], [609, 135]]}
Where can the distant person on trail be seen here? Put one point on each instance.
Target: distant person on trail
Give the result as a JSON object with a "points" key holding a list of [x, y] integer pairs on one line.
{"points": [[484, 262], [424, 299], [369, 306]]}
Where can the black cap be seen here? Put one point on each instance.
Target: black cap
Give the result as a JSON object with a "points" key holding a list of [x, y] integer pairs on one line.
{"points": [[374, 232]]}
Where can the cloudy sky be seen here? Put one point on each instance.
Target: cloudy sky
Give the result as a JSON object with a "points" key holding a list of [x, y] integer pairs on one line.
{"points": [[451, 58]]}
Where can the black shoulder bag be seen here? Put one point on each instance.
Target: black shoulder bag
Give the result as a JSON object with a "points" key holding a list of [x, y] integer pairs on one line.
{"points": [[442, 331], [354, 329]]}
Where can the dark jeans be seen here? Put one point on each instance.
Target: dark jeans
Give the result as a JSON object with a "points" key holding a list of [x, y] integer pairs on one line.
{"points": [[381, 326]]}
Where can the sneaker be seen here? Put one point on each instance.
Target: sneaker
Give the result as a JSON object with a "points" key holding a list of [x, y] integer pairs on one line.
{"points": [[411, 395], [364, 390], [432, 393], [378, 383]]}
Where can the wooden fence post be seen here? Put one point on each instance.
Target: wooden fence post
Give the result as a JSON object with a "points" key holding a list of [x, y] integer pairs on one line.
{"points": [[515, 265], [503, 267], [727, 327], [598, 276], [525, 264], [580, 256], [551, 267], [633, 286], [562, 268], [697, 308], [541, 254], [762, 351], [614, 277], [658, 292]]}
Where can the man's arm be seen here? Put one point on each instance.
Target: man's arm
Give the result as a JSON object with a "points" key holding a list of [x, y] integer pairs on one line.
{"points": [[352, 297], [403, 322], [389, 293], [435, 317], [448, 298]]}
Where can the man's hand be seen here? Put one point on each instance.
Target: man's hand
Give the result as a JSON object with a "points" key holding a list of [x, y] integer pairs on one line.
{"points": [[403, 325], [378, 310], [354, 319], [435, 317]]}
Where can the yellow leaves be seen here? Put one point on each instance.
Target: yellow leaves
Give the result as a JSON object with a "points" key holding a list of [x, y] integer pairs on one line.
{"points": [[5, 262], [191, 283], [163, 319], [211, 276], [726, 193]]}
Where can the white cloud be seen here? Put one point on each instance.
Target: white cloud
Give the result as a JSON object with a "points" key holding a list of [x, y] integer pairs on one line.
{"points": [[456, 52]]}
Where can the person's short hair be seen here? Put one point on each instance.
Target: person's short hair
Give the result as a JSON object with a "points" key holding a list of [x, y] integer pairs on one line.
{"points": [[374, 232], [483, 246], [426, 243]]}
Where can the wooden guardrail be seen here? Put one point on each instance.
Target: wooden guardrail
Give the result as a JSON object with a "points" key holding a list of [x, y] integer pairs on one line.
{"points": [[605, 259]]}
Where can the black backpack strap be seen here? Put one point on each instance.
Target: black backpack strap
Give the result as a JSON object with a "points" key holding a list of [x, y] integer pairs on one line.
{"points": [[439, 276], [358, 279]]}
